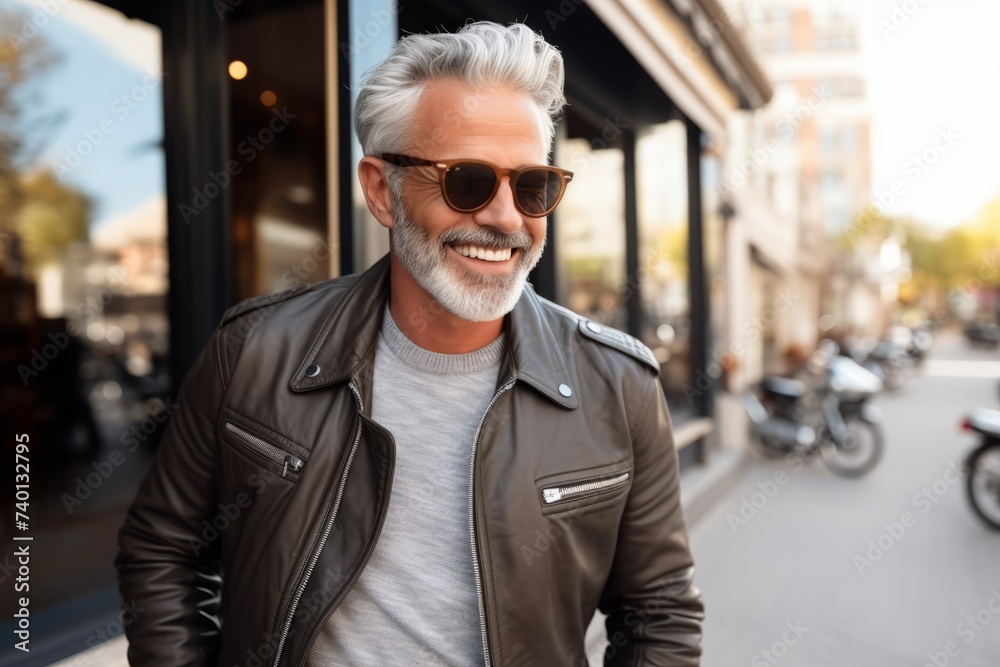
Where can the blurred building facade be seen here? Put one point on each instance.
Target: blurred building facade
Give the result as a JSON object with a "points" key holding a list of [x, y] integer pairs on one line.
{"points": [[799, 180], [796, 179], [814, 52], [259, 194]]}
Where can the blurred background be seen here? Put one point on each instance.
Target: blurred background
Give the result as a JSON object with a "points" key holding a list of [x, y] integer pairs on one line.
{"points": [[752, 178]]}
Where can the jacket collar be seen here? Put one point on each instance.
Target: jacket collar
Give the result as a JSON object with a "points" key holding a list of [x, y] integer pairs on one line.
{"points": [[347, 338]]}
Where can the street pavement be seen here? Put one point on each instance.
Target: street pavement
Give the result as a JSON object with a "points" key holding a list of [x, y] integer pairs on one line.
{"points": [[892, 569]]}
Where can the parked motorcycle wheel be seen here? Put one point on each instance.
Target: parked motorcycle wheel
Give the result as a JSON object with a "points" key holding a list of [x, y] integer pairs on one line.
{"points": [[767, 449], [865, 453], [982, 485]]}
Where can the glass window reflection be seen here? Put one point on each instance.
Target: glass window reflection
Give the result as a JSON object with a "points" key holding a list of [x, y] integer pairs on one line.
{"points": [[590, 232], [661, 189], [83, 285]]}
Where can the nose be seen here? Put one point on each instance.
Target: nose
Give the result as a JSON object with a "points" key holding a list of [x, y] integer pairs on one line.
{"points": [[500, 214]]}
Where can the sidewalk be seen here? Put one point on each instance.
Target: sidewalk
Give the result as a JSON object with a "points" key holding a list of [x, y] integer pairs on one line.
{"points": [[831, 558], [109, 654]]}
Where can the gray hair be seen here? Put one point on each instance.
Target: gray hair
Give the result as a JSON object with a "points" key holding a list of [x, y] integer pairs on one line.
{"points": [[482, 54]]}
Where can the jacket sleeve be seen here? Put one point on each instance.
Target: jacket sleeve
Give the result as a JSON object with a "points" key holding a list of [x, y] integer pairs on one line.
{"points": [[168, 562], [653, 609]]}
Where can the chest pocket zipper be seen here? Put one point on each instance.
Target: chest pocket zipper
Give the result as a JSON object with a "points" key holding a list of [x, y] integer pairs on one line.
{"points": [[567, 492], [287, 461]]}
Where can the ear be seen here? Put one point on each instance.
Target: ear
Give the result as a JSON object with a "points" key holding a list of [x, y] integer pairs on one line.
{"points": [[371, 173]]}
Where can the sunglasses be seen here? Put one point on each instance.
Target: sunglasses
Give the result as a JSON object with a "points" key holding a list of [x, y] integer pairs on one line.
{"points": [[470, 185]]}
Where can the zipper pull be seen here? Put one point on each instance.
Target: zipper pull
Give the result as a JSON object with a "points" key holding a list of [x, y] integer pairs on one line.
{"points": [[292, 462], [552, 495]]}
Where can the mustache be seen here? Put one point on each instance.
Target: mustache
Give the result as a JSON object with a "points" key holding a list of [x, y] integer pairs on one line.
{"points": [[486, 239]]}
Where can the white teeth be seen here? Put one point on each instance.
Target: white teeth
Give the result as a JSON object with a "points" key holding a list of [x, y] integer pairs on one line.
{"points": [[486, 254]]}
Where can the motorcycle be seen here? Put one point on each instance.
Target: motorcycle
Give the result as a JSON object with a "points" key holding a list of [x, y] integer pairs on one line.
{"points": [[982, 482], [832, 418], [884, 359], [920, 345]]}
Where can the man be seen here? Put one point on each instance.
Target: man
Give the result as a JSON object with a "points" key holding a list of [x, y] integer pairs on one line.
{"points": [[426, 463]]}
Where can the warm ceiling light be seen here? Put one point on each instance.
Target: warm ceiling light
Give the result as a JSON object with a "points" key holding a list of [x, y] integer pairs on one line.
{"points": [[267, 98], [238, 69]]}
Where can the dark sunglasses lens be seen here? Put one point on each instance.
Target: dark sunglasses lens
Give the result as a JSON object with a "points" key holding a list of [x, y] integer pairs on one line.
{"points": [[538, 190], [468, 185]]}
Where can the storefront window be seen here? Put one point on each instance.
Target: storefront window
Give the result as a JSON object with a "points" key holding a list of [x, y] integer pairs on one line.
{"points": [[589, 230], [83, 285], [661, 188], [281, 229], [765, 357]]}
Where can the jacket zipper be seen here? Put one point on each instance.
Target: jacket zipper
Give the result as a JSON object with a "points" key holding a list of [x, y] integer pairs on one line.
{"points": [[555, 494], [286, 627], [266, 449], [472, 525]]}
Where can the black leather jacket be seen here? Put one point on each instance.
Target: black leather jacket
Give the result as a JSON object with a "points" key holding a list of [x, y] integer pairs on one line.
{"points": [[269, 489]]}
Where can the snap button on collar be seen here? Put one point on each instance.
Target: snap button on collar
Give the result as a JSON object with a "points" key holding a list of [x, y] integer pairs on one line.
{"points": [[312, 370], [594, 326], [565, 390]]}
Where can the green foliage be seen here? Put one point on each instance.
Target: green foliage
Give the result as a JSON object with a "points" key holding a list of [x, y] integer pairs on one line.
{"points": [[964, 257], [50, 218]]}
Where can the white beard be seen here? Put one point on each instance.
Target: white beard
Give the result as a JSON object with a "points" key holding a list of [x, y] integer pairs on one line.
{"points": [[473, 296]]}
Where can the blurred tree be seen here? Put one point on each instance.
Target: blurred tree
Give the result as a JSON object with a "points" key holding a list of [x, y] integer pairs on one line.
{"points": [[45, 214], [966, 257], [50, 218], [984, 236], [22, 61], [929, 279], [871, 225]]}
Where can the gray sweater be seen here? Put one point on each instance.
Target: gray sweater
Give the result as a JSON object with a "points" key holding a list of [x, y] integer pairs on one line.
{"points": [[415, 602]]}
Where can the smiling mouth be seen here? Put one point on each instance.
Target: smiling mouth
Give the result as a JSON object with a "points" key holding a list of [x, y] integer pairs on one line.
{"points": [[483, 253]]}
